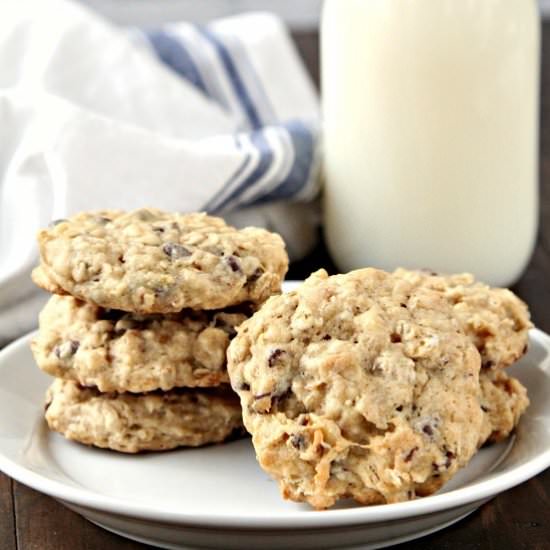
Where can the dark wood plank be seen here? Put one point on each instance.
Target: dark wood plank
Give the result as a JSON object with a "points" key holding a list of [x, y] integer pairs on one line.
{"points": [[515, 519], [7, 517], [44, 524]]}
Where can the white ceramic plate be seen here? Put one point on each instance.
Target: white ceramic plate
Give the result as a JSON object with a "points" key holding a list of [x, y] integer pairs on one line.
{"points": [[219, 497]]}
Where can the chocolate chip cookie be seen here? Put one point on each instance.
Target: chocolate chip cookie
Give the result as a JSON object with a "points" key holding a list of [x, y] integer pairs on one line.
{"points": [[360, 385], [132, 423], [119, 351], [495, 319], [149, 261]]}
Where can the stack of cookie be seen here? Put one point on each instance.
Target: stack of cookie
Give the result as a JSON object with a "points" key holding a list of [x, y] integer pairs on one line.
{"points": [[144, 306], [378, 386]]}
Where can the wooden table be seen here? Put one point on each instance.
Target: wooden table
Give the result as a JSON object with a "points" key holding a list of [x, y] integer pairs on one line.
{"points": [[519, 518]]}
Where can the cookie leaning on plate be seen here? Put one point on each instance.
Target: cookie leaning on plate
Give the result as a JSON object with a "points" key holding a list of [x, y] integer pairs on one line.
{"points": [[125, 352], [149, 261], [360, 385], [132, 423]]}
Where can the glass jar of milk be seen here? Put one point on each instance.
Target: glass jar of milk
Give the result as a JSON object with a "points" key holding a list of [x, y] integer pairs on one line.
{"points": [[431, 134]]}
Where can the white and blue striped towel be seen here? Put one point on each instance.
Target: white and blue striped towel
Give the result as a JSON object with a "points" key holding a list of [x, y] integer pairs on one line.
{"points": [[222, 118], [248, 66]]}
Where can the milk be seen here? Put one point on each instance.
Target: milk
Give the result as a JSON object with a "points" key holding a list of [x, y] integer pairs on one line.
{"points": [[430, 123]]}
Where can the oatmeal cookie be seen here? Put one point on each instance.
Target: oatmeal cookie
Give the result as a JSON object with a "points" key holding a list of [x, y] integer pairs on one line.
{"points": [[132, 423], [128, 352], [495, 319], [41, 279], [359, 385], [149, 261], [503, 401]]}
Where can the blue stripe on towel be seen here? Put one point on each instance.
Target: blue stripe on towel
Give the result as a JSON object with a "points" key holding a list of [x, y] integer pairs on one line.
{"points": [[172, 52], [236, 81], [264, 163], [211, 205], [303, 143]]}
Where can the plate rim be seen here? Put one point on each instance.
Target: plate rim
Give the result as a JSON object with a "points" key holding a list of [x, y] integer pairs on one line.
{"points": [[86, 498]]}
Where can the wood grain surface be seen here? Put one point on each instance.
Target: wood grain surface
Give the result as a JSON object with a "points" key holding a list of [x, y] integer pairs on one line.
{"points": [[518, 518]]}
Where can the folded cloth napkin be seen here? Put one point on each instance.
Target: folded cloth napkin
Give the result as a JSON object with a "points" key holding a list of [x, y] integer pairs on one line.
{"points": [[221, 118]]}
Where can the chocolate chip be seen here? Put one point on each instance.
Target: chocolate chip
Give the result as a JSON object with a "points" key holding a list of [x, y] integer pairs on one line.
{"points": [[256, 275], [175, 251], [53, 223], [484, 408], [487, 365], [67, 349], [274, 356], [298, 441], [450, 457], [233, 263], [399, 408], [158, 229], [427, 429], [244, 387], [403, 305], [326, 337], [395, 338]]}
